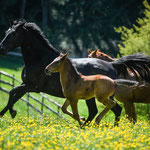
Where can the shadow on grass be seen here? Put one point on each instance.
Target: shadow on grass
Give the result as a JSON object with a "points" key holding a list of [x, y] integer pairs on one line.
{"points": [[11, 62]]}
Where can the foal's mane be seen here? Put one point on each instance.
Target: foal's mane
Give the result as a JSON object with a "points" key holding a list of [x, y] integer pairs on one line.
{"points": [[32, 27], [74, 69]]}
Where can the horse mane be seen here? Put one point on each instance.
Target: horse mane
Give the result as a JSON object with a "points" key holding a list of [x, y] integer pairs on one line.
{"points": [[38, 33], [73, 67], [138, 62]]}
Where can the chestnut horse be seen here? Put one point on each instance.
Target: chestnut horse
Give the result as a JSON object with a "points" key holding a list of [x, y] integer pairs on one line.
{"points": [[140, 94], [98, 54], [76, 86]]}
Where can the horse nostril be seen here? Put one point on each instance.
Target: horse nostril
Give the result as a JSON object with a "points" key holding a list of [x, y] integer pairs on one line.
{"points": [[46, 71], [1, 46]]}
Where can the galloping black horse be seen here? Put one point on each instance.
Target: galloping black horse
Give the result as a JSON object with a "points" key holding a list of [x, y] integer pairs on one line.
{"points": [[38, 53]]}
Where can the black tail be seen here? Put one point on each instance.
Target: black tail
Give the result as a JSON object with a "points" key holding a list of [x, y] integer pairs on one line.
{"points": [[126, 82], [136, 63]]}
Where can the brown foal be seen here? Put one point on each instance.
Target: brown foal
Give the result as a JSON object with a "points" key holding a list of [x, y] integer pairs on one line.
{"points": [[77, 86]]}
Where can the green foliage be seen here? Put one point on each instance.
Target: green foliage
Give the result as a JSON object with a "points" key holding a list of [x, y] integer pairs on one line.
{"points": [[137, 38], [75, 25]]}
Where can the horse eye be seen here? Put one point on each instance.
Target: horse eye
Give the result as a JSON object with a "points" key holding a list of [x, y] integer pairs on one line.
{"points": [[14, 33]]}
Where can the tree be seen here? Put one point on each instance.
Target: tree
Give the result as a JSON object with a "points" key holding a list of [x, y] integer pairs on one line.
{"points": [[22, 8], [75, 25], [137, 38]]}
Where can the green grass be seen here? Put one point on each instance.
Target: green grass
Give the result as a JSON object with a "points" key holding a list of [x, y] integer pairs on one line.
{"points": [[57, 134]]}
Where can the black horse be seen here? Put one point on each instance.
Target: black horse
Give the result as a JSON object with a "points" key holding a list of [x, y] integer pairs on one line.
{"points": [[38, 53]]}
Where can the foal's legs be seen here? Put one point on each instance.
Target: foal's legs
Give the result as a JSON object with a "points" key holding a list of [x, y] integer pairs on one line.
{"points": [[109, 104], [130, 111], [64, 108], [92, 108], [74, 107]]}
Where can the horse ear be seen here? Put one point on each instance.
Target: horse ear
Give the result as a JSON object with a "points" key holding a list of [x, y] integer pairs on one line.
{"points": [[95, 51], [11, 23], [21, 25], [89, 51], [66, 55]]}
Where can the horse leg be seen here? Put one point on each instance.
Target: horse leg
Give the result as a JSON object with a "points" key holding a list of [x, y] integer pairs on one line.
{"points": [[64, 109], [130, 111], [14, 95], [117, 111], [74, 107], [109, 104], [92, 109]]}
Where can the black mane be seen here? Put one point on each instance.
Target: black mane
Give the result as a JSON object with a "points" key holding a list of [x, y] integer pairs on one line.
{"points": [[32, 27]]}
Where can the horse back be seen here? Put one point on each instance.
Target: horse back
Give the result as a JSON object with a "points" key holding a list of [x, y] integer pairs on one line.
{"points": [[93, 66]]}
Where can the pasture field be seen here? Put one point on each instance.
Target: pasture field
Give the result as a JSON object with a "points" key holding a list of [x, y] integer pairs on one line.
{"points": [[57, 134], [51, 132]]}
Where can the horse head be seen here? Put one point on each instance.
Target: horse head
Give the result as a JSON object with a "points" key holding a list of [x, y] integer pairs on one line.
{"points": [[93, 54], [13, 37], [100, 55], [55, 66]]}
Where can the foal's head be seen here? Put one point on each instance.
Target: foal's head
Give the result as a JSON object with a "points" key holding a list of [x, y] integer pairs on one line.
{"points": [[97, 54], [56, 65], [93, 54]]}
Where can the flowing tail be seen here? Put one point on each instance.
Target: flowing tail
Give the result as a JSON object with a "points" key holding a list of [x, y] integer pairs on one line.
{"points": [[126, 82], [136, 63]]}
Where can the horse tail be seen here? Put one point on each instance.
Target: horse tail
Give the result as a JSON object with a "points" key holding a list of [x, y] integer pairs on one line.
{"points": [[126, 82], [138, 64]]}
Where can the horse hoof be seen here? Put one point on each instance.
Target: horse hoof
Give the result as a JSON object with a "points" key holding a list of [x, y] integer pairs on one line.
{"points": [[1, 115], [13, 114], [116, 124], [82, 119]]}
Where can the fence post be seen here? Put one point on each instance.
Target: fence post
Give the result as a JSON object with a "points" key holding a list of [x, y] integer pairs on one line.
{"points": [[13, 81], [42, 108], [0, 79], [148, 111], [28, 111], [58, 110]]}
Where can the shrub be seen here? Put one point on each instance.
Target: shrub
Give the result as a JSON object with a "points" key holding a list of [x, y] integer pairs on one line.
{"points": [[137, 38]]}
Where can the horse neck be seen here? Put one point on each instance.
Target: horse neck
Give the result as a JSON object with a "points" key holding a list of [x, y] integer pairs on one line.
{"points": [[106, 57], [35, 51], [68, 73]]}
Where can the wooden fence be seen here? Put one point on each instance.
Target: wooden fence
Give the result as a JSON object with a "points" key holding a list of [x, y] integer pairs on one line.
{"points": [[12, 81]]}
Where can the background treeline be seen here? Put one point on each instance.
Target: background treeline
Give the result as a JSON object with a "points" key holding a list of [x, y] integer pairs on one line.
{"points": [[76, 25]]}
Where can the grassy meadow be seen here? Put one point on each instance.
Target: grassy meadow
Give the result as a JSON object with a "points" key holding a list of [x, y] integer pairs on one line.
{"points": [[51, 132]]}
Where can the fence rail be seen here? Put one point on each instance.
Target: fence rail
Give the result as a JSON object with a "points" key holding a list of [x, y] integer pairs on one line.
{"points": [[11, 83]]}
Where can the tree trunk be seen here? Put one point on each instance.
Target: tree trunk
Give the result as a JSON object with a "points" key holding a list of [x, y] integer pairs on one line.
{"points": [[22, 8], [45, 7]]}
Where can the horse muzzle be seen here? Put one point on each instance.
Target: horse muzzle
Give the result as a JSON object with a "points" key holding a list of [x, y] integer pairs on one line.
{"points": [[47, 72], [3, 51]]}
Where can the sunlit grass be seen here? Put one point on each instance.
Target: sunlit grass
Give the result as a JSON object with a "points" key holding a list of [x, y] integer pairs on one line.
{"points": [[56, 133]]}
